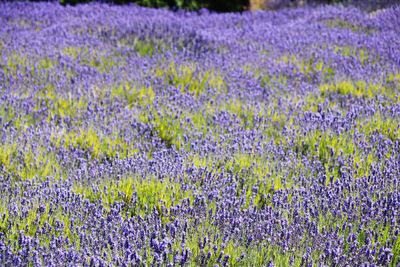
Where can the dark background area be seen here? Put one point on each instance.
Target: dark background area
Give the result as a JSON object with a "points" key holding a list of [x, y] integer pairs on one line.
{"points": [[239, 5], [215, 5]]}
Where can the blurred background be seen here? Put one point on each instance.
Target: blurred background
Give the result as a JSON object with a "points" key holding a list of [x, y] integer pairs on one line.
{"points": [[242, 5]]}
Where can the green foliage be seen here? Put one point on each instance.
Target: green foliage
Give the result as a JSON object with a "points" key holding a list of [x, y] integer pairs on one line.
{"points": [[325, 145], [100, 60], [134, 96], [244, 112], [144, 47], [7, 152], [99, 145], [309, 67], [358, 89], [190, 79], [140, 195], [59, 105], [15, 62], [26, 163], [73, 51], [361, 54], [7, 113], [388, 126], [343, 24], [46, 63], [169, 129], [329, 92], [396, 253], [34, 219], [253, 171]]}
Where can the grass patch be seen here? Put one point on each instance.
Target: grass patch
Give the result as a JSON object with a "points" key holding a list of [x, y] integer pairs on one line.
{"points": [[99, 145], [344, 24], [378, 123], [396, 253], [244, 112], [133, 95], [325, 144], [169, 129], [57, 104], [359, 89], [190, 79], [361, 54], [139, 195], [37, 217], [310, 66], [259, 177], [14, 64], [100, 60], [144, 47], [27, 163]]}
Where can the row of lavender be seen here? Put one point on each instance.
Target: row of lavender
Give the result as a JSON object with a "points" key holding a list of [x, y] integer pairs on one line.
{"points": [[140, 137]]}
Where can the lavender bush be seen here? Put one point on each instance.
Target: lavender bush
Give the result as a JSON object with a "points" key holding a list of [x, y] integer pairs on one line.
{"points": [[141, 137]]}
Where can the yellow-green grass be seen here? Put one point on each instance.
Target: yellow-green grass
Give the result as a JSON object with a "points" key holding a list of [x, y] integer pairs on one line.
{"points": [[190, 79], [98, 59], [359, 89], [99, 145], [133, 95], [26, 163], [35, 219], [140, 195], [344, 24]]}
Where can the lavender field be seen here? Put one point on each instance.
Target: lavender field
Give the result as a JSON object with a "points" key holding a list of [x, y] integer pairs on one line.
{"points": [[143, 137]]}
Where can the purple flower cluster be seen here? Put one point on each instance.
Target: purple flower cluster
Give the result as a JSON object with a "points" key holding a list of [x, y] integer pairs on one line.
{"points": [[142, 137]]}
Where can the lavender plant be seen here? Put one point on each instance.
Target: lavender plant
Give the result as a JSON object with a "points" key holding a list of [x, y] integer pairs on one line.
{"points": [[141, 137]]}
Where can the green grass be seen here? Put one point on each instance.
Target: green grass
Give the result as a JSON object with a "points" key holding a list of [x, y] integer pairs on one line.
{"points": [[19, 62], [190, 79], [169, 129], [7, 113], [26, 163], [378, 123], [244, 112], [139, 195], [98, 59], [344, 24], [320, 143], [359, 89], [396, 253], [134, 96], [252, 171], [361, 54], [16, 62], [259, 253], [103, 63], [255, 255], [46, 63], [313, 100], [74, 52], [31, 221], [7, 152], [144, 47], [309, 67], [326, 146], [99, 145], [58, 106]]}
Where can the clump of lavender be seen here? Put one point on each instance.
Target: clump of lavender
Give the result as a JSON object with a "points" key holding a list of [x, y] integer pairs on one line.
{"points": [[141, 137]]}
